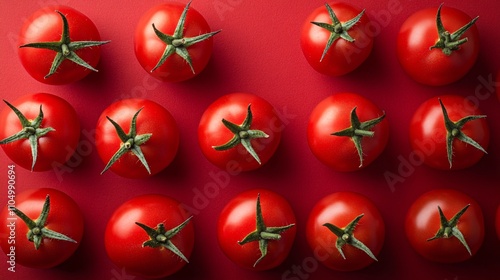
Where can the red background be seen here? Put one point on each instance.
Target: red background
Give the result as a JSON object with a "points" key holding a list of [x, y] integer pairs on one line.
{"points": [[258, 51]]}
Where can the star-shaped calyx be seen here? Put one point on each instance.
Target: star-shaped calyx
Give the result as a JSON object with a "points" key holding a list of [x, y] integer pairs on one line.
{"points": [[37, 230], [454, 131], [358, 130], [177, 43], [242, 135], [338, 29], [161, 237], [65, 48], [263, 234], [449, 42], [32, 130], [449, 229], [131, 142], [345, 236]]}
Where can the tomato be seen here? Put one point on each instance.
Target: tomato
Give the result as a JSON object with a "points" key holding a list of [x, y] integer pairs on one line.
{"points": [[173, 42], [49, 121], [334, 38], [54, 232], [449, 132], [59, 45], [256, 229], [438, 49], [239, 118], [346, 231], [137, 138], [347, 132], [150, 236], [445, 225]]}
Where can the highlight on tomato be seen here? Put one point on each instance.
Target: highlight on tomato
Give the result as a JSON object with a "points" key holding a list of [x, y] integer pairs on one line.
{"points": [[173, 42], [136, 138], [59, 45], [42, 229], [445, 225], [150, 236], [39, 131], [346, 231]]}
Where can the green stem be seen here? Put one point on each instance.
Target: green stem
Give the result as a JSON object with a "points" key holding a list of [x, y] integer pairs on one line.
{"points": [[243, 134], [358, 130], [454, 131], [177, 43], [65, 49], [32, 131], [36, 228], [263, 234], [345, 236], [450, 42]]}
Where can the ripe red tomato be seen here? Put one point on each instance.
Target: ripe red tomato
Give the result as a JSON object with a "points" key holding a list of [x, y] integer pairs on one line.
{"points": [[136, 138], [50, 121], [239, 131], [57, 232], [150, 236], [423, 53], [256, 229], [437, 237], [173, 42], [345, 231], [334, 38], [460, 143], [361, 132], [54, 58]]}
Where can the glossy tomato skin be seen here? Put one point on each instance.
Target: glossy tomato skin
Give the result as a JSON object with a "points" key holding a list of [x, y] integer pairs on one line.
{"points": [[340, 209], [238, 218], [343, 56], [45, 25], [54, 148], [423, 221], [428, 133], [159, 150], [233, 107], [432, 67], [332, 114], [64, 217], [149, 48], [123, 238]]}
